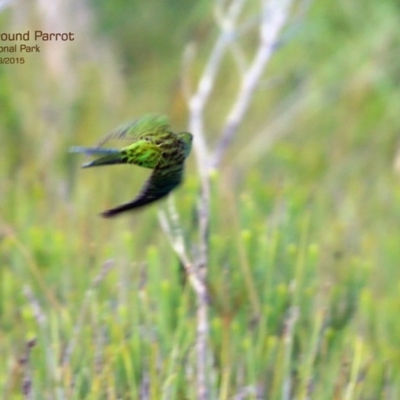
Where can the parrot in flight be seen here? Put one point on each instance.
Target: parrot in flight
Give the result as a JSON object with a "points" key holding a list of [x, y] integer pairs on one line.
{"points": [[152, 144]]}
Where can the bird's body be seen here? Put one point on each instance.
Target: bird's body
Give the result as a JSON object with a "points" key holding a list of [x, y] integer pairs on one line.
{"points": [[152, 145]]}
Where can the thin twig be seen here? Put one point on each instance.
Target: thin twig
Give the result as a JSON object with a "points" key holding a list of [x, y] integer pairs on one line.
{"points": [[172, 229], [206, 84], [197, 102], [274, 16]]}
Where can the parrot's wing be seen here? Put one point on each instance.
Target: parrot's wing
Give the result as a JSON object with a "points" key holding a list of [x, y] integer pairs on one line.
{"points": [[159, 184], [142, 153], [148, 125]]}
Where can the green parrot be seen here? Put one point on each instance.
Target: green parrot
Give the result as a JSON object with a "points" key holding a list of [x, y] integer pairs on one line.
{"points": [[152, 145]]}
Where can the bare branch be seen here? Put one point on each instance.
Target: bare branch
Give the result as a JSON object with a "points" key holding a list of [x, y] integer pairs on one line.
{"points": [[207, 83], [196, 104], [274, 15], [173, 230], [227, 12]]}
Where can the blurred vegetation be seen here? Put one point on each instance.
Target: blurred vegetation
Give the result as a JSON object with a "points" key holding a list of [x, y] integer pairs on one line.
{"points": [[304, 251]]}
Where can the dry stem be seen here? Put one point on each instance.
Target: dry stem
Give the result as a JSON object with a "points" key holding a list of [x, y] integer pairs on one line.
{"points": [[273, 15]]}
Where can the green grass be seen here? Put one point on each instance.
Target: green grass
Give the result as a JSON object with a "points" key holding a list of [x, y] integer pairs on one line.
{"points": [[304, 239]]}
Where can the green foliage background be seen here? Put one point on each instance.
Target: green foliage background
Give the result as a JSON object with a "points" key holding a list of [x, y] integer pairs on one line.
{"points": [[304, 247]]}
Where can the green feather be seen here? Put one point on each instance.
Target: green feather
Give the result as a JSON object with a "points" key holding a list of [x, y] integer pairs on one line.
{"points": [[153, 145]]}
